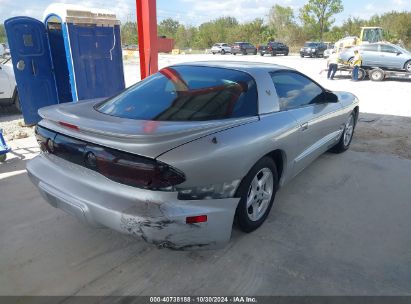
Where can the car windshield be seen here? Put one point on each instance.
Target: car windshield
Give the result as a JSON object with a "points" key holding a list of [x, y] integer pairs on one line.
{"points": [[401, 49], [310, 44], [186, 93]]}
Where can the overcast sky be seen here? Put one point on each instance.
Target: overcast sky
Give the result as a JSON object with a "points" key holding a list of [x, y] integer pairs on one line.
{"points": [[195, 12]]}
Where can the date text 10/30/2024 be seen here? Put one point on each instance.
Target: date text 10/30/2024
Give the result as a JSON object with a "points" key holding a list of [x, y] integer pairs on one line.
{"points": [[205, 299]]}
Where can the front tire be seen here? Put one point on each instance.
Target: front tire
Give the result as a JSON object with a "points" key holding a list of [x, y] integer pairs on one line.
{"points": [[17, 105], [257, 193], [346, 136], [3, 157], [407, 66]]}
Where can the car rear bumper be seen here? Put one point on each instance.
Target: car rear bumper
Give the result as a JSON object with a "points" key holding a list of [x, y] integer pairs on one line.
{"points": [[274, 51], [308, 53], [156, 216], [220, 50]]}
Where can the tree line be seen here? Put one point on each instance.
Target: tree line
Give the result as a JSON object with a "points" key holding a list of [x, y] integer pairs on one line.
{"points": [[314, 22]]}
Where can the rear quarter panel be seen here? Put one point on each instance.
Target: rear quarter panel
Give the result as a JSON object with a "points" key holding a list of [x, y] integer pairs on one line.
{"points": [[234, 151]]}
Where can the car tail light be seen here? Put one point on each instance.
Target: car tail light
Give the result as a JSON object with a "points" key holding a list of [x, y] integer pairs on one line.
{"points": [[132, 169], [196, 219], [122, 167]]}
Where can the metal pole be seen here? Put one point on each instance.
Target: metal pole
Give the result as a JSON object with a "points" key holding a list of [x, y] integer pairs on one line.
{"points": [[147, 36]]}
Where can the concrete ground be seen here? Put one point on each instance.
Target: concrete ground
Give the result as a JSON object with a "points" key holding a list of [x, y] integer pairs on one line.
{"points": [[342, 227]]}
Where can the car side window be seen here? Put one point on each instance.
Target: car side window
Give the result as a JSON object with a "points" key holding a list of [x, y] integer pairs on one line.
{"points": [[295, 90], [388, 49], [370, 47]]}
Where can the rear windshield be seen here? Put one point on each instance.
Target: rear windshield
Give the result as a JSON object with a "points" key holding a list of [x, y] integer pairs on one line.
{"points": [[311, 44], [187, 93]]}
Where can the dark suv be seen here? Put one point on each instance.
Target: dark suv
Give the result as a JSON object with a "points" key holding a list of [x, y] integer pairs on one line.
{"points": [[313, 49], [274, 48], [243, 48]]}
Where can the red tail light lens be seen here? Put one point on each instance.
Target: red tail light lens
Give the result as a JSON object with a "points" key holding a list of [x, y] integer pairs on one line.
{"points": [[122, 167], [132, 169]]}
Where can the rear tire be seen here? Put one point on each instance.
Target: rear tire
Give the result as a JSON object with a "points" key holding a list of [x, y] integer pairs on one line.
{"points": [[261, 54], [361, 74], [376, 75], [407, 66], [346, 136], [257, 192]]}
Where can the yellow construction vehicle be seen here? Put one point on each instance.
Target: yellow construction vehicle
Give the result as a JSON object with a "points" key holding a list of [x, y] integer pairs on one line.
{"points": [[369, 34]]}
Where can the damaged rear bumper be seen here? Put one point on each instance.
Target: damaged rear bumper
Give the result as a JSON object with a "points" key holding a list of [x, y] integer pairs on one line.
{"points": [[156, 216]]}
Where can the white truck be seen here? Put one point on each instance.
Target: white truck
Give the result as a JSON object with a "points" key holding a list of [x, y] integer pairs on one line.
{"points": [[9, 98]]}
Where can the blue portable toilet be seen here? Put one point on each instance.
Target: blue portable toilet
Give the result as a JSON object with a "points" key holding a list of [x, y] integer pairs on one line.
{"points": [[74, 55]]}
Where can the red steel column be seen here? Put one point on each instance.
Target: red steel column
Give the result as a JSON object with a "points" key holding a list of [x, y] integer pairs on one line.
{"points": [[147, 36]]}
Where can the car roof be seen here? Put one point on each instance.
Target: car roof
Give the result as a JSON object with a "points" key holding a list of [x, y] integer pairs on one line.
{"points": [[245, 66], [377, 43]]}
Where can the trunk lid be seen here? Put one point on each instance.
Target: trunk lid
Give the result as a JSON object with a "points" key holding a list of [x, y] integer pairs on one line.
{"points": [[142, 137]]}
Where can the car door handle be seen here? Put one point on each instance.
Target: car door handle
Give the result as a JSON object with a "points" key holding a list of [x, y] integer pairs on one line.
{"points": [[304, 126]]}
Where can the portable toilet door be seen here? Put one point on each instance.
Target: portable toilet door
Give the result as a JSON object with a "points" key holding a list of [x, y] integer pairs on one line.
{"points": [[92, 47], [32, 64]]}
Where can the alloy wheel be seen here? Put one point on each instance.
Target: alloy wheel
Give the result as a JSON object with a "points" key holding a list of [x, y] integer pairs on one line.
{"points": [[349, 130], [259, 194]]}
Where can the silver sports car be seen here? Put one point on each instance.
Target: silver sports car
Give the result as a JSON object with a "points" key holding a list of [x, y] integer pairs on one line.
{"points": [[179, 157]]}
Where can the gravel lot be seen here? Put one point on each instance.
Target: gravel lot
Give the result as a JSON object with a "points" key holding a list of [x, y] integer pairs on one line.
{"points": [[340, 228], [385, 106]]}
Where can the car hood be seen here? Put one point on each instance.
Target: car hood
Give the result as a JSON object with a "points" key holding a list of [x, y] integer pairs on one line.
{"points": [[143, 137]]}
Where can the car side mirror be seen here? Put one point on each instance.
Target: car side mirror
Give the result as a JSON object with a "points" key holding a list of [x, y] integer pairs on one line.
{"points": [[399, 53], [329, 97]]}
